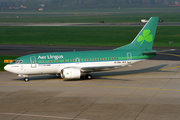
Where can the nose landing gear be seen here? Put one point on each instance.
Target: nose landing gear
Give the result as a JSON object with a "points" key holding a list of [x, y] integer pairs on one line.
{"points": [[26, 79]]}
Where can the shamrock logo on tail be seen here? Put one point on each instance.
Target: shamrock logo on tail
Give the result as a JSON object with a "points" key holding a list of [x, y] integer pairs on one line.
{"points": [[146, 36]]}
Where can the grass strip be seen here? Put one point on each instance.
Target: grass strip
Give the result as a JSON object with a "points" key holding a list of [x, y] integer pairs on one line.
{"points": [[87, 17], [168, 14], [92, 36]]}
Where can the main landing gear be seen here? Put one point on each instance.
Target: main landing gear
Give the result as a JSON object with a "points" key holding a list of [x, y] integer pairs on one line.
{"points": [[88, 76], [26, 79]]}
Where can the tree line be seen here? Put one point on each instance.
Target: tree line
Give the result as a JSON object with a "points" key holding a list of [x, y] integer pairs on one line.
{"points": [[83, 4]]}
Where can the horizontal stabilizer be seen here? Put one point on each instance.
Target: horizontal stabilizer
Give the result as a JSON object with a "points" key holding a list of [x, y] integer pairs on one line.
{"points": [[154, 52]]}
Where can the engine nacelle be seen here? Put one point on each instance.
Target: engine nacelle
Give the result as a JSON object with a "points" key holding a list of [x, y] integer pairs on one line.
{"points": [[71, 73]]}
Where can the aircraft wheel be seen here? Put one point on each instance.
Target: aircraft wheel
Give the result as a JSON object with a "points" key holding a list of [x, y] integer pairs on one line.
{"points": [[88, 76], [26, 79]]}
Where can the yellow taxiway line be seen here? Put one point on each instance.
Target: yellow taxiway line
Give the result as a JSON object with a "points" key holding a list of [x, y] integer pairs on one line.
{"points": [[94, 86], [169, 54]]}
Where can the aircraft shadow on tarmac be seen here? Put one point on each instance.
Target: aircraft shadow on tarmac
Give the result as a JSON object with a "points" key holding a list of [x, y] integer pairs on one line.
{"points": [[99, 75], [130, 72]]}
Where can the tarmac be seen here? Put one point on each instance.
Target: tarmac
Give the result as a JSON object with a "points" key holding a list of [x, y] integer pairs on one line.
{"points": [[148, 90]]}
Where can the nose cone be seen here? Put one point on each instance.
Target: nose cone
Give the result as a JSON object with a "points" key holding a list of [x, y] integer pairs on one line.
{"points": [[7, 68], [12, 68]]}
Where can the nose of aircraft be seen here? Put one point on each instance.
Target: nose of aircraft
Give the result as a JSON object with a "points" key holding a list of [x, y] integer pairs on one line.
{"points": [[6, 67], [12, 68]]}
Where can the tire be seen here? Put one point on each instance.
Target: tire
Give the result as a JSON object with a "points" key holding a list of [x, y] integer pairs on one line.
{"points": [[26, 79], [88, 76]]}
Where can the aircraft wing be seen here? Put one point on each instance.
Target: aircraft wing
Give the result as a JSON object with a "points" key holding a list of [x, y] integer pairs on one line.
{"points": [[95, 69]]}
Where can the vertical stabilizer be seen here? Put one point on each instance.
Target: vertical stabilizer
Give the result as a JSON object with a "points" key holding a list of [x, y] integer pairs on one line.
{"points": [[145, 39]]}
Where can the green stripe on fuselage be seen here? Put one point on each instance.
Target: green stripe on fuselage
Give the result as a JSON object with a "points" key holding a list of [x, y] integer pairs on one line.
{"points": [[51, 61], [84, 56]]}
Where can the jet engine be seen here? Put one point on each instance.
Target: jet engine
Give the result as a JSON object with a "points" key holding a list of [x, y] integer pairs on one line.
{"points": [[71, 73]]}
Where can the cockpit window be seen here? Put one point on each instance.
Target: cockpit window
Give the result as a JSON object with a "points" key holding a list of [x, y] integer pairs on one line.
{"points": [[18, 61]]}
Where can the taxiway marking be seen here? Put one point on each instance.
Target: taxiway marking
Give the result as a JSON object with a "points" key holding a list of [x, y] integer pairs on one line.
{"points": [[60, 85], [170, 68], [42, 116], [169, 54]]}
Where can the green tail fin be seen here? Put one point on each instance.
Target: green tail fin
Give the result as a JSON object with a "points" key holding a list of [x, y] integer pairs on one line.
{"points": [[144, 40]]}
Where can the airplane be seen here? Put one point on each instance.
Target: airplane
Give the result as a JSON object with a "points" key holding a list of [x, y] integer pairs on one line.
{"points": [[74, 65], [145, 21]]}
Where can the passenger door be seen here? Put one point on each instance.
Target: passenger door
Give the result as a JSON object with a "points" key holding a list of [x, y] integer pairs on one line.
{"points": [[77, 60], [129, 57], [33, 62]]}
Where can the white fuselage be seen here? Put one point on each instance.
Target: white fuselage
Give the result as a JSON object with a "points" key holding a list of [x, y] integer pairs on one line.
{"points": [[55, 68]]}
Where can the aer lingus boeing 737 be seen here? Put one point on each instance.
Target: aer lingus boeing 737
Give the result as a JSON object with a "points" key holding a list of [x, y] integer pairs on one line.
{"points": [[73, 65]]}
